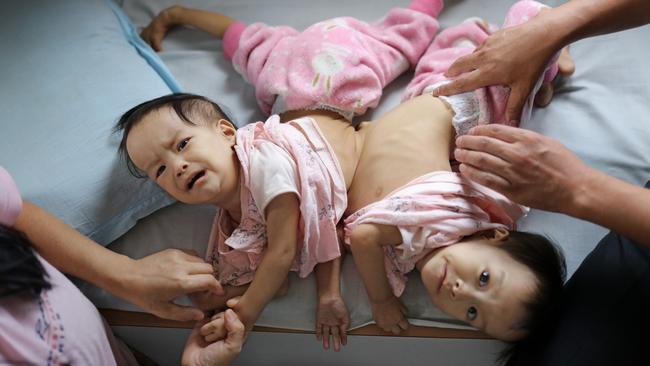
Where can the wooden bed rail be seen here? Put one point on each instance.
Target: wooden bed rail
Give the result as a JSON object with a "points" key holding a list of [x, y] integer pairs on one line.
{"points": [[139, 319]]}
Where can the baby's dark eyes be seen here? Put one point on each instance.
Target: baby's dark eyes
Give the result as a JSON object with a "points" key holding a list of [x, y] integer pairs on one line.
{"points": [[181, 145], [484, 278], [471, 313], [160, 170]]}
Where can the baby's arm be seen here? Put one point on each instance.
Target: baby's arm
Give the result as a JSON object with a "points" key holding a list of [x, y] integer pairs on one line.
{"points": [[213, 23], [367, 241], [332, 316], [282, 216]]}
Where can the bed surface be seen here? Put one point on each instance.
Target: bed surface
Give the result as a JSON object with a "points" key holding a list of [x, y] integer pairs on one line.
{"points": [[601, 113]]}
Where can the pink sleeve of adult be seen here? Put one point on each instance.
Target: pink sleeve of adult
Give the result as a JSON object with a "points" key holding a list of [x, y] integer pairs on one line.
{"points": [[10, 201]]}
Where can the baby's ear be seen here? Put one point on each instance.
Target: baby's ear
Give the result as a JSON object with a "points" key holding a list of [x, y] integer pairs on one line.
{"points": [[497, 235], [226, 127]]}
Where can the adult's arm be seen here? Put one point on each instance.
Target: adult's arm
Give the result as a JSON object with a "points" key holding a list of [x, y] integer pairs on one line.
{"points": [[540, 172], [152, 282], [517, 56]]}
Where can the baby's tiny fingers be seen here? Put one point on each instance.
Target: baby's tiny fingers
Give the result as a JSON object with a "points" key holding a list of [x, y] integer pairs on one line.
{"points": [[404, 324], [212, 337]]}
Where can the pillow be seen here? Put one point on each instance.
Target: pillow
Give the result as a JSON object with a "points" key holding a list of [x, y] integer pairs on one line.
{"points": [[69, 69]]}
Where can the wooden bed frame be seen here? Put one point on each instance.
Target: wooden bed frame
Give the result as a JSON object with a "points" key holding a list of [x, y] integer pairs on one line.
{"points": [[139, 319]]}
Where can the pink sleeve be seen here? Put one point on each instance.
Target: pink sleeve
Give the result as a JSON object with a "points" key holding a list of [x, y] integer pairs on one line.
{"points": [[231, 39], [10, 201]]}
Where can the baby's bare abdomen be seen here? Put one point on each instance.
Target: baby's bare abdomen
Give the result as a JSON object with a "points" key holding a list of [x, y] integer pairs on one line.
{"points": [[411, 140]]}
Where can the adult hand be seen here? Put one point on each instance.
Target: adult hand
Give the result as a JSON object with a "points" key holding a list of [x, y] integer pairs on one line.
{"points": [[197, 352], [515, 57], [527, 167], [153, 282], [154, 33]]}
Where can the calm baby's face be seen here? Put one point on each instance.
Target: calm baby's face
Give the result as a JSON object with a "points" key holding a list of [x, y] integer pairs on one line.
{"points": [[476, 282], [193, 163]]}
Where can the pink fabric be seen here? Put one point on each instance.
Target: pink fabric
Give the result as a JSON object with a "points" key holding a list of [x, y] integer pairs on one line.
{"points": [[59, 327], [231, 39], [340, 64], [461, 40], [236, 252], [433, 211], [10, 201]]}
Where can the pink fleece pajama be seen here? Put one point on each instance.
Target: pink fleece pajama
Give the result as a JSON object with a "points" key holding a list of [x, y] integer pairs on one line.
{"points": [[485, 105], [341, 64]]}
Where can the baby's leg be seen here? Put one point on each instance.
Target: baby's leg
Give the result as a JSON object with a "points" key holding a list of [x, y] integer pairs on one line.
{"points": [[341, 64], [485, 105]]}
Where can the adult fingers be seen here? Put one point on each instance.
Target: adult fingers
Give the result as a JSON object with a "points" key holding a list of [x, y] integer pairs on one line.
{"points": [[319, 331], [463, 64], [202, 282], [464, 83], [480, 159], [566, 65], [199, 268], [179, 312], [518, 95], [487, 179], [232, 302], [496, 131]]}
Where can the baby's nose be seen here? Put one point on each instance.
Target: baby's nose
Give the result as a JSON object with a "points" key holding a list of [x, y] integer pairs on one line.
{"points": [[181, 169], [458, 290]]}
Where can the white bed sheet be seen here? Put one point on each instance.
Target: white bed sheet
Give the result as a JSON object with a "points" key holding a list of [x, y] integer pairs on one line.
{"points": [[601, 113]]}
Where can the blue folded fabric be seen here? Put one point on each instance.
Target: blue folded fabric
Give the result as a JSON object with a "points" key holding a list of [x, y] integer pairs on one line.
{"points": [[69, 69]]}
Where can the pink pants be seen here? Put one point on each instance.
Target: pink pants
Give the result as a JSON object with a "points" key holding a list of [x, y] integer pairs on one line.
{"points": [[341, 64], [485, 105]]}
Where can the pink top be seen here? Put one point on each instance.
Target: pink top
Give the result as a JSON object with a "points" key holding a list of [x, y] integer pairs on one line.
{"points": [[236, 250], [60, 326], [433, 211]]}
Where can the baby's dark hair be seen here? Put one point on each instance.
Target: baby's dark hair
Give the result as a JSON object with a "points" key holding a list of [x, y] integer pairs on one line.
{"points": [[186, 106], [546, 261], [20, 270]]}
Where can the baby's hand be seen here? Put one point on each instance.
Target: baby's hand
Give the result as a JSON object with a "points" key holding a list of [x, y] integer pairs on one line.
{"points": [[332, 318], [215, 329], [390, 315], [160, 25]]}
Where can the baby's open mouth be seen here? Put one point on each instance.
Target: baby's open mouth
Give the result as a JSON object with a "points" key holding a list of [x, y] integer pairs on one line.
{"points": [[196, 177]]}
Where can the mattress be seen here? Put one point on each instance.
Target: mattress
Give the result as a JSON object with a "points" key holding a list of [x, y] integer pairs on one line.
{"points": [[601, 114]]}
